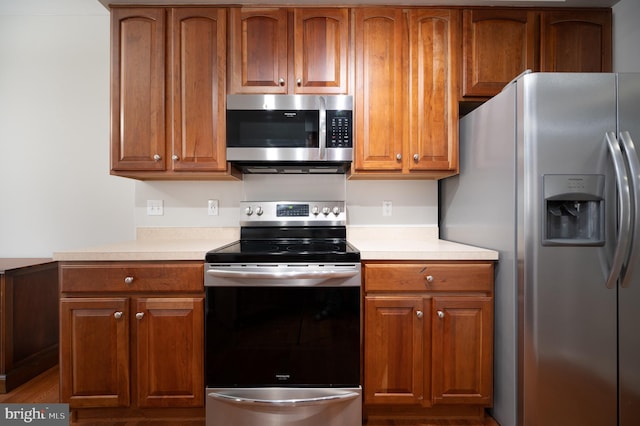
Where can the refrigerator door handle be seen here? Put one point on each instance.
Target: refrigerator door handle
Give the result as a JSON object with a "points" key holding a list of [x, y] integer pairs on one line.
{"points": [[634, 171], [624, 196]]}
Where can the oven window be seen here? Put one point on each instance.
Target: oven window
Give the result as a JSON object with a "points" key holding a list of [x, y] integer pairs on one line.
{"points": [[282, 336], [272, 129]]}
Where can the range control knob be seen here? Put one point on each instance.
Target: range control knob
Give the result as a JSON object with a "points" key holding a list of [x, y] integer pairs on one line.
{"points": [[259, 211], [336, 210], [326, 211], [248, 211], [315, 210]]}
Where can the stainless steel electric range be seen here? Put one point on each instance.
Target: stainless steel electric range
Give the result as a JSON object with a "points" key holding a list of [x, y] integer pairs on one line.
{"points": [[283, 319]]}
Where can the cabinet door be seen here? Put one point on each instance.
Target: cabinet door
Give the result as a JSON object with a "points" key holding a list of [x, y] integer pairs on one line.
{"points": [[576, 41], [169, 355], [94, 352], [198, 89], [499, 44], [433, 135], [137, 92], [462, 350], [381, 89], [321, 45], [393, 349], [258, 50]]}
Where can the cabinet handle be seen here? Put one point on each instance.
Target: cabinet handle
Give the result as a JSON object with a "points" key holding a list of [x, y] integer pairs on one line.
{"points": [[157, 157], [174, 157], [440, 314], [299, 82], [416, 157], [139, 315], [429, 278], [398, 156], [128, 280], [419, 314], [117, 315], [281, 81]]}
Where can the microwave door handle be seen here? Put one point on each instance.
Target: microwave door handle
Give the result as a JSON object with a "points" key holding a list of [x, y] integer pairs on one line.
{"points": [[634, 171], [624, 197], [322, 124]]}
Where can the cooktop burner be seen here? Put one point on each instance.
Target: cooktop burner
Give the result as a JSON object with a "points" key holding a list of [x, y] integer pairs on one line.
{"points": [[284, 251]]}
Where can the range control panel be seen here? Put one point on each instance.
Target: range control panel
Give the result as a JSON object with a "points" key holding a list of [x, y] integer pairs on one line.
{"points": [[292, 213]]}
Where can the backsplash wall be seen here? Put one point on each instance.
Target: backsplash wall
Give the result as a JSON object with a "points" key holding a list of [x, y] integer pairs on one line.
{"points": [[414, 202]]}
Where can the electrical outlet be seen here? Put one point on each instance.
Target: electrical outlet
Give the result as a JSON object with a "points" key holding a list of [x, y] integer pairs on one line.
{"points": [[387, 207], [155, 208], [212, 207]]}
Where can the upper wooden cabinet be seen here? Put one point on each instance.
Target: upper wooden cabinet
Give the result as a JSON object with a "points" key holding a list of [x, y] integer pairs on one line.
{"points": [[278, 50], [500, 44], [168, 90], [576, 41], [406, 91]]}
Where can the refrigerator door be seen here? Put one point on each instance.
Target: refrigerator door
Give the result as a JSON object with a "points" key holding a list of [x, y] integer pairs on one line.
{"points": [[568, 318], [629, 289]]}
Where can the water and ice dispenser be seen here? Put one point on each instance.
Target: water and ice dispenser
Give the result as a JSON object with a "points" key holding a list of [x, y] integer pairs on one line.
{"points": [[573, 210]]}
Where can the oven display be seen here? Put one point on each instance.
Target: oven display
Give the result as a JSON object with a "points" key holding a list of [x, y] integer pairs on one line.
{"points": [[292, 210]]}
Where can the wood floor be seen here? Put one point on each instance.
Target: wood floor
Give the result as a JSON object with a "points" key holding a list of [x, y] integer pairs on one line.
{"points": [[44, 389]]}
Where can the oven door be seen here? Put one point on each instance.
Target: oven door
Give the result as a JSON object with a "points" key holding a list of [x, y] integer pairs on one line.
{"points": [[303, 336]]}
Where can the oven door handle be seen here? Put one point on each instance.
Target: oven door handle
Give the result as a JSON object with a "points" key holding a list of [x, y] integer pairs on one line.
{"points": [[325, 274], [237, 398]]}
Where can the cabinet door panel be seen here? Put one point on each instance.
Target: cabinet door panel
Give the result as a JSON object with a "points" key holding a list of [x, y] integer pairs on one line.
{"points": [[393, 354], [169, 356], [199, 72], [258, 50], [576, 41], [137, 94], [434, 108], [321, 44], [94, 352], [380, 88], [462, 350], [499, 44]]}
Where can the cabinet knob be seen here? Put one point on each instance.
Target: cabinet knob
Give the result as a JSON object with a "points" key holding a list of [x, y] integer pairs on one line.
{"points": [[117, 315], [416, 157], [139, 315], [429, 278], [281, 81], [157, 157], [174, 157], [128, 280], [440, 314], [419, 314], [398, 156], [299, 82]]}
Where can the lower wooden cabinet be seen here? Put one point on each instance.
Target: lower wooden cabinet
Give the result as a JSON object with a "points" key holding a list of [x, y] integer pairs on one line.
{"points": [[136, 349], [428, 338]]}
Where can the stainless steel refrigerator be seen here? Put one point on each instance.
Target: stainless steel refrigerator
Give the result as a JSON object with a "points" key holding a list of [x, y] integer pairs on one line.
{"points": [[550, 179]]}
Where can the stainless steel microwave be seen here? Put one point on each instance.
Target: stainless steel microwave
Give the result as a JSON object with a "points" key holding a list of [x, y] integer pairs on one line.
{"points": [[290, 133]]}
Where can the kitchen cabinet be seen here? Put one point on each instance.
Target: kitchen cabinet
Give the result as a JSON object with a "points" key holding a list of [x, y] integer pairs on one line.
{"points": [[296, 51], [168, 77], [406, 93], [576, 41], [132, 339], [501, 43], [428, 337], [28, 319]]}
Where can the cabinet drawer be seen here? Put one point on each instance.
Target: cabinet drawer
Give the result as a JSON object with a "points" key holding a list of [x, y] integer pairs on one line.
{"points": [[132, 276], [428, 277]]}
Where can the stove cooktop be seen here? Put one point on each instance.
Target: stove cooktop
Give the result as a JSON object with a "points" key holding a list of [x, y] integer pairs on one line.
{"points": [[252, 251]]}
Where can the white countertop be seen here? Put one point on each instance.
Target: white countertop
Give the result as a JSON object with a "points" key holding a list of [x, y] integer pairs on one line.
{"points": [[374, 243]]}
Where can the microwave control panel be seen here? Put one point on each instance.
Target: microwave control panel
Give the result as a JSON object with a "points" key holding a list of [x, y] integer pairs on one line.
{"points": [[339, 129]]}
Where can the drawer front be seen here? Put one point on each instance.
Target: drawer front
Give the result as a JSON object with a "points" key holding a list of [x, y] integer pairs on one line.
{"points": [[132, 276], [428, 277]]}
